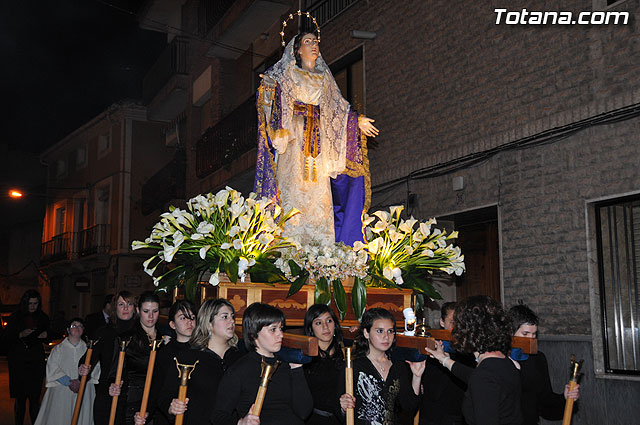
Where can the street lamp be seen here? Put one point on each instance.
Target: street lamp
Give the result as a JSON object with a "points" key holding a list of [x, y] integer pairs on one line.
{"points": [[15, 194]]}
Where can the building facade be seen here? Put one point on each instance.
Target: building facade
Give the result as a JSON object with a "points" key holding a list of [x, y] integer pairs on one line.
{"points": [[96, 205], [518, 129]]}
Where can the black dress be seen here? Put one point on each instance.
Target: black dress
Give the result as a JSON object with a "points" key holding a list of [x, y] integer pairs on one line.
{"points": [[103, 353], [202, 386], [134, 373], [493, 393], [322, 374], [26, 361], [538, 399], [165, 365], [382, 401], [288, 400], [443, 392]]}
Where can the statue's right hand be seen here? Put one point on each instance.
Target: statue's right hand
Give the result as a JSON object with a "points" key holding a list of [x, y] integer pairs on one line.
{"points": [[268, 80]]}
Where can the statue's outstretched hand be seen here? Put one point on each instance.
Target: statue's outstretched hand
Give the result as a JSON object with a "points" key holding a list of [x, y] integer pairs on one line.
{"points": [[367, 127]]}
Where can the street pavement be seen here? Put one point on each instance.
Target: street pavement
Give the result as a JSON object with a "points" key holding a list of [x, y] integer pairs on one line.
{"points": [[6, 403]]}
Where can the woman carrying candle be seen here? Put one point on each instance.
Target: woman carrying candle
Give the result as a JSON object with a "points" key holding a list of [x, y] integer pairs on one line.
{"points": [[288, 400], [213, 347], [384, 388], [326, 369]]}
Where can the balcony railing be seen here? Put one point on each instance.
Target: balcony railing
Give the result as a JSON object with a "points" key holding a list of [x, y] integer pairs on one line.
{"points": [[70, 245], [210, 12], [231, 137], [165, 185], [326, 10], [172, 61]]}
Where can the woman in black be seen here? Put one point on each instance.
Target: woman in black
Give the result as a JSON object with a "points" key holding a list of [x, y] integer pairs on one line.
{"points": [[493, 391], [27, 329], [326, 369], [213, 346], [140, 337], [288, 400], [383, 388], [121, 320]]}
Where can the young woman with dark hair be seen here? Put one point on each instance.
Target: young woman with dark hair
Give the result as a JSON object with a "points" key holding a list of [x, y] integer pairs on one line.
{"points": [[140, 336], [122, 318], [288, 400], [26, 330], [213, 346], [326, 369], [493, 391], [538, 398], [383, 388]]}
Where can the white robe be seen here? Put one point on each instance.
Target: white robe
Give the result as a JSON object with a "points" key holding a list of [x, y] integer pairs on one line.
{"points": [[59, 401]]}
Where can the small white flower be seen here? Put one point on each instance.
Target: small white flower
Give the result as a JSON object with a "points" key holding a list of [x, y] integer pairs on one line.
{"points": [[265, 238], [197, 237], [225, 245], [205, 228], [203, 251], [178, 238], [396, 210], [234, 230], [214, 279], [138, 245], [237, 244]]}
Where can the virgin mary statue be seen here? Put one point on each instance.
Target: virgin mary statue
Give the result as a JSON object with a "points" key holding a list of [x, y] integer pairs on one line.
{"points": [[312, 152]]}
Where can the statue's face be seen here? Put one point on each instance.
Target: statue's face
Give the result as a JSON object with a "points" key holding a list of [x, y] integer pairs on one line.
{"points": [[309, 48]]}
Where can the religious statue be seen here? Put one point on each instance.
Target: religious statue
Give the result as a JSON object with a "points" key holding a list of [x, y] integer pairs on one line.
{"points": [[311, 153]]}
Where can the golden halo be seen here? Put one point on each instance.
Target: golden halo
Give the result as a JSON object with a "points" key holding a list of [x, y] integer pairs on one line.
{"points": [[291, 16]]}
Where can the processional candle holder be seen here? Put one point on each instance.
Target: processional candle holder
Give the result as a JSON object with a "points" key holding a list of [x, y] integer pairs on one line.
{"points": [[184, 374]]}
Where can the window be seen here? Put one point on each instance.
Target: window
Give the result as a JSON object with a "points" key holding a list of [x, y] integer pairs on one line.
{"points": [[617, 224], [349, 74], [60, 220], [104, 144], [81, 157], [102, 204], [61, 168]]}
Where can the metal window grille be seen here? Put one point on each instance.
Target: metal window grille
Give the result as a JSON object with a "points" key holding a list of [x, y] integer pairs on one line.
{"points": [[618, 227]]}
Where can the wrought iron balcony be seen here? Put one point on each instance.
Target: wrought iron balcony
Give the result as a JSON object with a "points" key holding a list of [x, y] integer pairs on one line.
{"points": [[172, 62], [210, 12], [165, 185], [231, 137], [71, 245], [326, 10]]}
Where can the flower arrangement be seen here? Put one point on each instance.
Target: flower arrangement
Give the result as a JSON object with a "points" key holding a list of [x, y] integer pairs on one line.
{"points": [[400, 252], [325, 265], [217, 233]]}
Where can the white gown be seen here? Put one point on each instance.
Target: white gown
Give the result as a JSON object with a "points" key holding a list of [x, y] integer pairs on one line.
{"points": [[59, 401]]}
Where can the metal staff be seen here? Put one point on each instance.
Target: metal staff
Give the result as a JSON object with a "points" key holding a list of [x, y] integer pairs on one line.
{"points": [[575, 373], [184, 373], [114, 399], [83, 383], [147, 381], [267, 372], [348, 375]]}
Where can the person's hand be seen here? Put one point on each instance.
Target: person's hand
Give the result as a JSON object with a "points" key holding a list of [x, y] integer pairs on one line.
{"points": [[114, 389], [42, 335], [268, 80], [364, 123], [74, 385], [347, 401], [354, 329], [178, 407], [417, 368], [83, 370], [250, 419], [138, 420], [574, 393], [25, 333], [439, 353]]}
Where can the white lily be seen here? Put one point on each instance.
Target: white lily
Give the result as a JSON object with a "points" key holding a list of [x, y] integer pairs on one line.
{"points": [[178, 238], [214, 279], [205, 228], [396, 210], [265, 238], [237, 244], [234, 230], [203, 251], [138, 245], [169, 251]]}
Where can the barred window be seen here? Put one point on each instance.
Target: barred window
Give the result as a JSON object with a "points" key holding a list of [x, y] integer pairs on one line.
{"points": [[618, 238]]}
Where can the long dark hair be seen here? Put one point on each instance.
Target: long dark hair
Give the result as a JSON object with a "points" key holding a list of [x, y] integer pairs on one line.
{"points": [[481, 325], [312, 314], [24, 301], [296, 46], [370, 316]]}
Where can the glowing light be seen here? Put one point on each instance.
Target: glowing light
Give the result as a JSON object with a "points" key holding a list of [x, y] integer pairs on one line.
{"points": [[14, 193]]}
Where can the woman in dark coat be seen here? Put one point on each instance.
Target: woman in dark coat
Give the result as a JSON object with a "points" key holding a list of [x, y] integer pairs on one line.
{"points": [[27, 329]]}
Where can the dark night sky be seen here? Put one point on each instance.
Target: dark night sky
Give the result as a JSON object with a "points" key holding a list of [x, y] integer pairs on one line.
{"points": [[65, 61]]}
